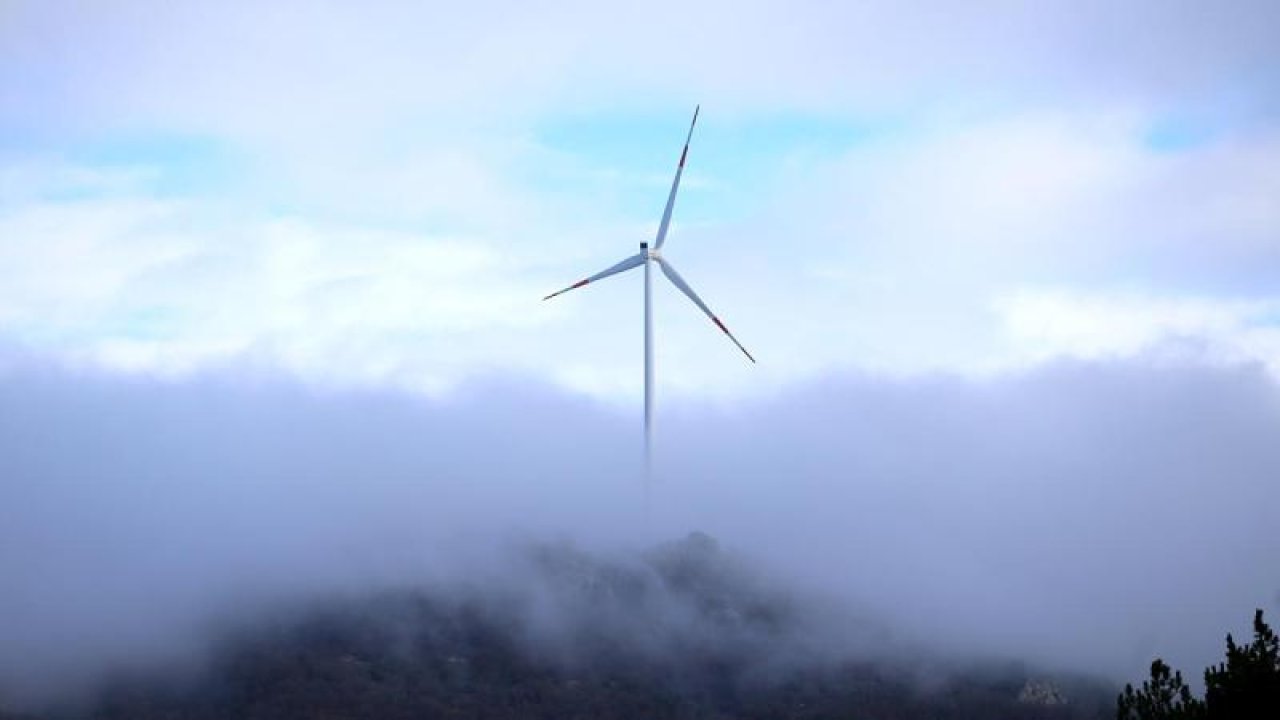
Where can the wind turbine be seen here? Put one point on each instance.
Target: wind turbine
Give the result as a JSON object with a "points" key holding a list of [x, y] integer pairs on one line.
{"points": [[647, 257]]}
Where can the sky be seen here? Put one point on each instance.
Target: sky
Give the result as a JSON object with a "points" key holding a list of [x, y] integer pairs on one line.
{"points": [[381, 195], [1024, 251]]}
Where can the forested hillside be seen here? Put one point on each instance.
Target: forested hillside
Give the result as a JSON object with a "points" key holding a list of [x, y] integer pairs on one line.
{"points": [[686, 631]]}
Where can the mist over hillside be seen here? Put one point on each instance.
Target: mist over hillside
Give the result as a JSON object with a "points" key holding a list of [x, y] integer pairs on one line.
{"points": [[1078, 517], [683, 630]]}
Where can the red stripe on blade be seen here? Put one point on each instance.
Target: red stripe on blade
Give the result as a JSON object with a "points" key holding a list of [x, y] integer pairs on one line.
{"points": [[719, 324], [579, 284], [683, 153]]}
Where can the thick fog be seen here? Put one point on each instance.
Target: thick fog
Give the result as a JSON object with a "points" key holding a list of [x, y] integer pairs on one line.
{"points": [[1089, 516]]}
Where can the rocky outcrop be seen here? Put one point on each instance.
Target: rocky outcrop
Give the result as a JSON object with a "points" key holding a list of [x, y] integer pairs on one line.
{"points": [[1041, 692]]}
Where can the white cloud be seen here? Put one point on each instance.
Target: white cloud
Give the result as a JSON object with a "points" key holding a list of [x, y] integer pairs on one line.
{"points": [[142, 285], [63, 261], [1046, 325], [911, 249]]}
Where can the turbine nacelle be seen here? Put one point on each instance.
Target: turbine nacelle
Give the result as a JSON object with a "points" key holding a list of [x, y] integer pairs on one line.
{"points": [[646, 255]]}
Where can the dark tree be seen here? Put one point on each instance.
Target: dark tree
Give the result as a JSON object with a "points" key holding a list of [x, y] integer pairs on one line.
{"points": [[1245, 687], [1164, 697]]}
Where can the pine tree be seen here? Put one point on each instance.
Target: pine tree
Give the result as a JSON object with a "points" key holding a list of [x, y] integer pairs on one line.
{"points": [[1245, 687], [1164, 697]]}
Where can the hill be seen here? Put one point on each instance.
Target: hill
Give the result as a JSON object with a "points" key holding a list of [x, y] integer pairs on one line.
{"points": [[682, 631]]}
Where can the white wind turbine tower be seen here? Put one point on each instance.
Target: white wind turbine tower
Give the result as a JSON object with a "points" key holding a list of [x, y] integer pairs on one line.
{"points": [[647, 257]]}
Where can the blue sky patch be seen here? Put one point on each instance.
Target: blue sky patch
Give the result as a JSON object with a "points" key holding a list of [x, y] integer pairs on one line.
{"points": [[1176, 134], [171, 165], [638, 155]]}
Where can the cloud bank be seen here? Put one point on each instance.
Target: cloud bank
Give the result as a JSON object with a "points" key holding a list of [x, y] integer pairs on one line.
{"points": [[1088, 515]]}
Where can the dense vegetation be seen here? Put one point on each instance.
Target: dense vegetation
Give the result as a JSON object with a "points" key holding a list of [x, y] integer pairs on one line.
{"points": [[1243, 687], [684, 633]]}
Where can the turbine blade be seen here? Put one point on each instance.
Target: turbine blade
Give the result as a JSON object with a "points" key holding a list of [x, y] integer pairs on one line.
{"points": [[633, 261], [675, 185], [679, 282]]}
